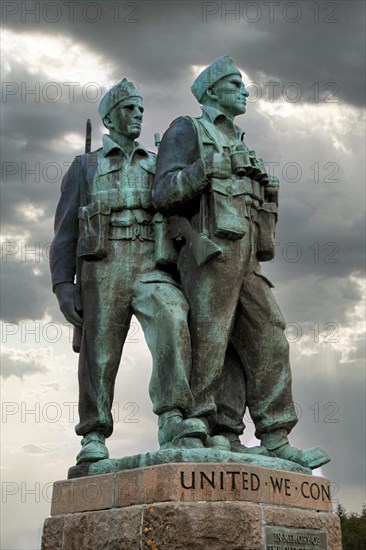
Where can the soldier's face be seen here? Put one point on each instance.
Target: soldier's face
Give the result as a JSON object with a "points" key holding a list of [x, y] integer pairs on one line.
{"points": [[126, 117], [231, 95]]}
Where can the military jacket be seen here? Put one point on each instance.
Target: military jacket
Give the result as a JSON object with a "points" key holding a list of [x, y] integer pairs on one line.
{"points": [[181, 178], [109, 177], [180, 170]]}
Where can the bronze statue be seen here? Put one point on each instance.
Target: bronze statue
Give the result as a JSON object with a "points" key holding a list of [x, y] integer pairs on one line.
{"points": [[208, 179], [181, 251], [105, 220]]}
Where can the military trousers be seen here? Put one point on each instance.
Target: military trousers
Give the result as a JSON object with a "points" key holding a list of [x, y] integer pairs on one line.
{"points": [[240, 355], [212, 292], [257, 373], [124, 283]]}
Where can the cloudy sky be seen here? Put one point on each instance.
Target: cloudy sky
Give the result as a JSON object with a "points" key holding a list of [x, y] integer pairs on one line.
{"points": [[304, 68]]}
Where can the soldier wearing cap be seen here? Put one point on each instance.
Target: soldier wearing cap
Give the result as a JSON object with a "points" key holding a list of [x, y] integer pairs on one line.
{"points": [[105, 219], [206, 173]]}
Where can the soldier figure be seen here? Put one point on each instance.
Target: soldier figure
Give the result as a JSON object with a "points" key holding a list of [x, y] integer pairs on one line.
{"points": [[105, 220], [207, 174]]}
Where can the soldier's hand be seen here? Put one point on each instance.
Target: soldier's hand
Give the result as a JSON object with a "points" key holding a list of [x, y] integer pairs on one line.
{"points": [[218, 165], [69, 301]]}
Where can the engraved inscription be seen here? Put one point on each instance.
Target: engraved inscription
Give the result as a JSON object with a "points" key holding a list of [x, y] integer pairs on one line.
{"points": [[229, 480], [272, 487], [280, 538]]}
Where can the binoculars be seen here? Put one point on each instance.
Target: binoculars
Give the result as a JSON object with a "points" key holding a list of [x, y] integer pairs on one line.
{"points": [[244, 163]]}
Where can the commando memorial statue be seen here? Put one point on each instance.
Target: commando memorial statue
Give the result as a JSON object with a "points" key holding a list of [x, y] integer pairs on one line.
{"points": [[105, 219], [177, 240], [206, 174]]}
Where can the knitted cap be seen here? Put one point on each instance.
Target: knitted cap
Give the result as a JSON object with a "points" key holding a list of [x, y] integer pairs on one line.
{"points": [[119, 92], [221, 67]]}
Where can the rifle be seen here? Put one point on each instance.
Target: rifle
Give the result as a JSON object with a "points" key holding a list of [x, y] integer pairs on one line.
{"points": [[157, 139], [78, 331], [203, 249]]}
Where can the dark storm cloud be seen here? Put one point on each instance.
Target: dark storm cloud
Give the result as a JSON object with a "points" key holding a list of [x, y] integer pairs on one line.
{"points": [[160, 59], [322, 44], [31, 100]]}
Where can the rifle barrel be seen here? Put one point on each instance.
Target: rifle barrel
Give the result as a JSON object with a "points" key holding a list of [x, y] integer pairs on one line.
{"points": [[88, 136]]}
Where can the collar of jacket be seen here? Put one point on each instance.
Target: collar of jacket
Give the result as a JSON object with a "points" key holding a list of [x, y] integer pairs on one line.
{"points": [[110, 145], [110, 163], [213, 115]]}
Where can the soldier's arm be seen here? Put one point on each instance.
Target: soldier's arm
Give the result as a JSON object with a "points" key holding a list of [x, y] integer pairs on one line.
{"points": [[63, 248], [180, 171]]}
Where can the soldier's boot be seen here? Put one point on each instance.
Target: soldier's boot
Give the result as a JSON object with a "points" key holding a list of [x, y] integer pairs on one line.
{"points": [[218, 442], [93, 448], [237, 447], [279, 446], [172, 427]]}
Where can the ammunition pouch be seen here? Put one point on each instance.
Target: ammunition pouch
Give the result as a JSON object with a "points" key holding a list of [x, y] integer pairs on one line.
{"points": [[165, 250], [93, 231], [267, 218], [228, 208]]}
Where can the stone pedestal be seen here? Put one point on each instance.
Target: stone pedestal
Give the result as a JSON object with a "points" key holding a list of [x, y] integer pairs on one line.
{"points": [[193, 506]]}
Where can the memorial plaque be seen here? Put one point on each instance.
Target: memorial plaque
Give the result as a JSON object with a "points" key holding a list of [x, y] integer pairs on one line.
{"points": [[280, 538]]}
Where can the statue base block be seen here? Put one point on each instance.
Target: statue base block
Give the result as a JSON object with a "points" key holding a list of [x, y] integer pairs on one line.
{"points": [[193, 505]]}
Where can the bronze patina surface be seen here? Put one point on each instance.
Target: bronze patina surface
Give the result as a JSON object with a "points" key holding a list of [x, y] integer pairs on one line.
{"points": [[177, 240]]}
